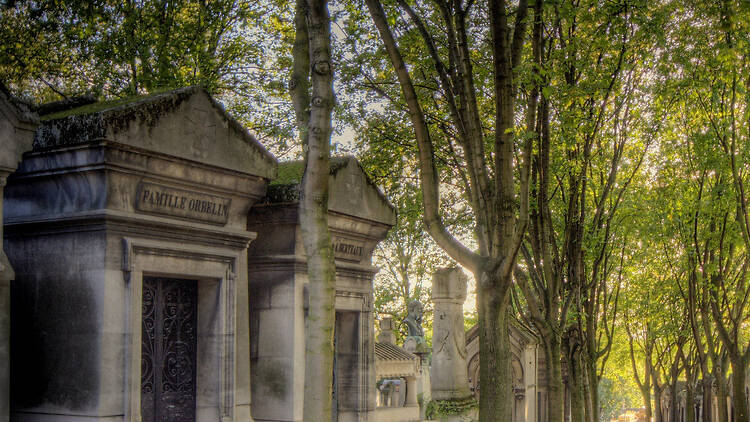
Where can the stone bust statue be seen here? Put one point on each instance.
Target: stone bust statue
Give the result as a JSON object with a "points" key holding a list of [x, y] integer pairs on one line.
{"points": [[413, 319]]}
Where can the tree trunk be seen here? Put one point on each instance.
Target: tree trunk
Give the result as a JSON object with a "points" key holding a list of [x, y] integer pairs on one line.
{"points": [[721, 394], [689, 403], [571, 346], [739, 399], [657, 403], [592, 391], [577, 399], [672, 415], [555, 397], [646, 394], [495, 381], [706, 387], [315, 127]]}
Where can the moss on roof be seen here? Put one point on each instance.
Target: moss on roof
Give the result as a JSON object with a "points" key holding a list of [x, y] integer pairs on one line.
{"points": [[290, 172], [286, 187], [100, 106]]}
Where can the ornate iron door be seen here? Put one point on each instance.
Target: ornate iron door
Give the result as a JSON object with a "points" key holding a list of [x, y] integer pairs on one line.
{"points": [[168, 350]]}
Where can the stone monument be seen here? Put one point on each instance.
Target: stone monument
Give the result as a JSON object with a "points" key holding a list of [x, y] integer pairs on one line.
{"points": [[414, 341], [386, 331], [448, 375], [17, 124]]}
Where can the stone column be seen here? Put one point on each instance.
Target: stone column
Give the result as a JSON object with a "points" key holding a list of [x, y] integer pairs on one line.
{"points": [[17, 125], [411, 392], [449, 378]]}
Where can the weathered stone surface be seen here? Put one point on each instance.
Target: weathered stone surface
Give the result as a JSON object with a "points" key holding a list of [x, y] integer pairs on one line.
{"points": [[82, 243], [448, 376], [17, 124], [386, 331]]}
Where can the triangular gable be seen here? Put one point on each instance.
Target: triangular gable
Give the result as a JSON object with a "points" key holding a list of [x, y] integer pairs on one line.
{"points": [[185, 123], [351, 190]]}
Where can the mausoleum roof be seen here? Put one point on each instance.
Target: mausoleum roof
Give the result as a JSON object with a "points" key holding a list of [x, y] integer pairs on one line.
{"points": [[185, 122], [391, 352], [392, 361], [516, 329], [349, 182]]}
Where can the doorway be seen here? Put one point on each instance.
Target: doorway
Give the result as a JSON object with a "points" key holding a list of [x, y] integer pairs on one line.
{"points": [[168, 350]]}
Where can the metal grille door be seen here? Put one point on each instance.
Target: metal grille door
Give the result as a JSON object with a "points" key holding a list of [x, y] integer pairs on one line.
{"points": [[168, 350]]}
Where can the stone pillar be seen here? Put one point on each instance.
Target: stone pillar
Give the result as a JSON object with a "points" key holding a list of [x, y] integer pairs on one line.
{"points": [[17, 125], [411, 392], [449, 378]]}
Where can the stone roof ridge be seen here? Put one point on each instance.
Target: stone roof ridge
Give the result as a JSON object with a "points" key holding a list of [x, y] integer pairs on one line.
{"points": [[391, 352], [90, 122]]}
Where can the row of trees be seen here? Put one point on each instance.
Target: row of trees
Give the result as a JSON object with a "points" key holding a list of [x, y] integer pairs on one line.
{"points": [[625, 114], [585, 160], [693, 328]]}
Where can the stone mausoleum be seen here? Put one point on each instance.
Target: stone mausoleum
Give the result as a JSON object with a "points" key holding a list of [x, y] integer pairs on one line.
{"points": [[158, 277], [359, 217]]}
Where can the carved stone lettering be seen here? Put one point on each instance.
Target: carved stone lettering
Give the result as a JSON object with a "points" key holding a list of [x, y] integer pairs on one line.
{"points": [[348, 249], [169, 201]]}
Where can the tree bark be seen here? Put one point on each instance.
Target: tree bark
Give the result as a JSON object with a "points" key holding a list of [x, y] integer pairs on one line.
{"points": [[719, 371], [592, 391], [689, 403], [658, 417], [555, 404], [571, 346], [312, 48], [672, 415], [495, 380], [706, 389], [739, 399]]}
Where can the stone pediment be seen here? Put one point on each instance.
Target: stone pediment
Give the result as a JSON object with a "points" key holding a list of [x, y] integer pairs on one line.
{"points": [[186, 123], [351, 190], [518, 332]]}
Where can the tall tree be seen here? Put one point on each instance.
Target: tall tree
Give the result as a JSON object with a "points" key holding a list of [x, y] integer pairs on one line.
{"points": [[311, 88], [710, 69], [501, 215]]}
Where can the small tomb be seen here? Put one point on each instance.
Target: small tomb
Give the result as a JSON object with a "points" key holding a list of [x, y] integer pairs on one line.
{"points": [[359, 217], [397, 372]]}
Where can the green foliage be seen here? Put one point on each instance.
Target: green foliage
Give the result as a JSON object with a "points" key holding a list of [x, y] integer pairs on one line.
{"points": [[437, 408], [237, 49], [615, 395]]}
